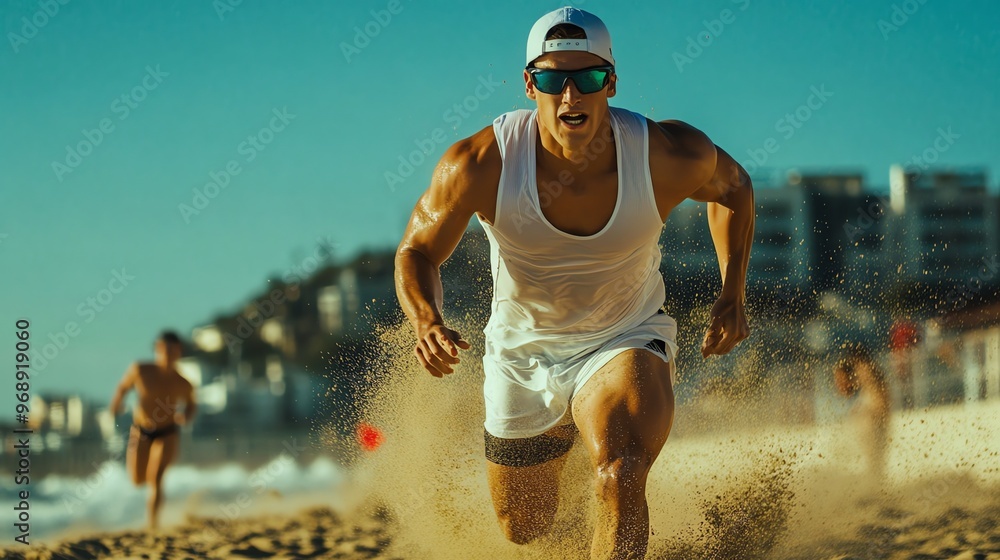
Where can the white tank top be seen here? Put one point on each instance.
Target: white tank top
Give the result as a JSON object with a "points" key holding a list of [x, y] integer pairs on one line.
{"points": [[558, 296]]}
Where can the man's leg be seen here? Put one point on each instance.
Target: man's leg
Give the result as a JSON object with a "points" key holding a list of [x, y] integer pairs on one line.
{"points": [[137, 457], [524, 481], [624, 413], [161, 453]]}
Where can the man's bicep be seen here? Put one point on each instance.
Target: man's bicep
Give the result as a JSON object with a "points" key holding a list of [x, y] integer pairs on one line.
{"points": [[728, 181], [686, 160], [436, 227], [442, 213]]}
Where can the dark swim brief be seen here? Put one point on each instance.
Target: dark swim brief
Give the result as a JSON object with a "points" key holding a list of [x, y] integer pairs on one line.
{"points": [[525, 452], [156, 434]]}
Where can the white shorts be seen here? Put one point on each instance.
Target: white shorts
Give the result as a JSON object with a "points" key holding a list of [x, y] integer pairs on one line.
{"points": [[518, 405]]}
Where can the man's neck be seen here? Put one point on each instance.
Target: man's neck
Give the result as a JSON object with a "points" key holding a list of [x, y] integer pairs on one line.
{"points": [[164, 365], [599, 154]]}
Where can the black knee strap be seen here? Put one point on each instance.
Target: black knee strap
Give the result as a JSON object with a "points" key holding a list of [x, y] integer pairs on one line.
{"points": [[525, 452]]}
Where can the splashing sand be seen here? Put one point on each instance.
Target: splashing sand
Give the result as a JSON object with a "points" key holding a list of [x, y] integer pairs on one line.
{"points": [[752, 493]]}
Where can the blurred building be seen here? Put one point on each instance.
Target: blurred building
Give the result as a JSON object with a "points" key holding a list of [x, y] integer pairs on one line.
{"points": [[781, 254], [67, 415], [845, 229], [686, 243], [943, 224], [358, 294], [270, 365], [970, 340], [263, 393]]}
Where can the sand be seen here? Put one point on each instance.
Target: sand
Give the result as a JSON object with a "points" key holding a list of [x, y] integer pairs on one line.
{"points": [[748, 489], [313, 533], [959, 533]]}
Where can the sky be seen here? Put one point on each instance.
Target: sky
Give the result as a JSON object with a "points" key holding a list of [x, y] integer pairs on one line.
{"points": [[161, 160]]}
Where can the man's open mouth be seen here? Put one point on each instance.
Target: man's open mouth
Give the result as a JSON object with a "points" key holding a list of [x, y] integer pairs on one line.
{"points": [[574, 119]]}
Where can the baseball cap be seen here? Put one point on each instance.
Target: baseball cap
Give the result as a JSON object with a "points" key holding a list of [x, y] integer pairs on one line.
{"points": [[598, 39]]}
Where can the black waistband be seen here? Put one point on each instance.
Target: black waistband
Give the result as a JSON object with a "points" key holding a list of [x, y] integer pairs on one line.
{"points": [[153, 434]]}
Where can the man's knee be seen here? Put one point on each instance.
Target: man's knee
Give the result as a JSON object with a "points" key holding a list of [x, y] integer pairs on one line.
{"points": [[622, 475]]}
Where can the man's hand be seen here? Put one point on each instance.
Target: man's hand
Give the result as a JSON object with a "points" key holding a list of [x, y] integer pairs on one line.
{"points": [[729, 326], [437, 348]]}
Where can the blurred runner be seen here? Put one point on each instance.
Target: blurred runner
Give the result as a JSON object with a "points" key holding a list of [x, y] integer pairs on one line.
{"points": [[903, 339], [858, 374], [154, 436]]}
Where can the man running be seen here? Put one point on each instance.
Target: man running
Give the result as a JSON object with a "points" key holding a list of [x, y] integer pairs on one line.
{"points": [[573, 196], [153, 439]]}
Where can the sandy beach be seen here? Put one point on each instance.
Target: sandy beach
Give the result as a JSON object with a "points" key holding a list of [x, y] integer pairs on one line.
{"points": [[313, 533], [959, 534], [747, 488]]}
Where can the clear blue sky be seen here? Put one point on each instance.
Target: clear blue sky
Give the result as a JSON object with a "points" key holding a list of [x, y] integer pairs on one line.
{"points": [[205, 79]]}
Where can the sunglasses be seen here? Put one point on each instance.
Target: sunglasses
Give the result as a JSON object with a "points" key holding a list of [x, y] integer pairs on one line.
{"points": [[587, 80]]}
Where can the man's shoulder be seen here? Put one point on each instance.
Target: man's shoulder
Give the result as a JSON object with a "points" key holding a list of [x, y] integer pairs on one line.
{"points": [[680, 139], [141, 367], [681, 157], [476, 157]]}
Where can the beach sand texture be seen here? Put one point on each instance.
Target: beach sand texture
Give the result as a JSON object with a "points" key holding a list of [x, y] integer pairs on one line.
{"points": [[747, 490]]}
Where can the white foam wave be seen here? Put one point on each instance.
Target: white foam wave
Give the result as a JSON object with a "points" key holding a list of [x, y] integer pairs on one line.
{"points": [[107, 500]]}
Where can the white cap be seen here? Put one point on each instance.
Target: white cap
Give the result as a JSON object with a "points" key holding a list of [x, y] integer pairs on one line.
{"points": [[598, 39]]}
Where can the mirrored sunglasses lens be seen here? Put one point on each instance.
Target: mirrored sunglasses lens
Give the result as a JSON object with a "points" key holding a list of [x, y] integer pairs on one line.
{"points": [[549, 82], [590, 81]]}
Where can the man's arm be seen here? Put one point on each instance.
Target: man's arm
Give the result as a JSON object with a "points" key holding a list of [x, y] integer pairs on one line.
{"points": [[124, 386], [459, 188], [708, 174], [729, 194], [190, 404]]}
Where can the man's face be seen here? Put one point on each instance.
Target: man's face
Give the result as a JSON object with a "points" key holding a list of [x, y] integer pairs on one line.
{"points": [[168, 352], [553, 106]]}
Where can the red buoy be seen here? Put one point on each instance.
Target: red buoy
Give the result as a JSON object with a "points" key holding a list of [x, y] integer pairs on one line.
{"points": [[369, 437]]}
